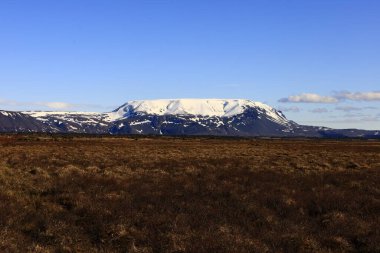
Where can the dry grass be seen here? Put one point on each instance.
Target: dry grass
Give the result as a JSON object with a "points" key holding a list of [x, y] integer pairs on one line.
{"points": [[78, 194]]}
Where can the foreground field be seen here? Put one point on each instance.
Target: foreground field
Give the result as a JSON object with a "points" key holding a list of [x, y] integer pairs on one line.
{"points": [[77, 194]]}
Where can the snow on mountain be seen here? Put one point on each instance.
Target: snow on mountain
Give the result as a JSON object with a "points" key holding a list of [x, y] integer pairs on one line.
{"points": [[73, 116], [195, 107], [92, 122], [67, 116], [19, 122], [57, 113], [184, 107]]}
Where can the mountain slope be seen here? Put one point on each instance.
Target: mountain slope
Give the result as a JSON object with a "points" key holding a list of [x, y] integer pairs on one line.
{"points": [[73, 122], [19, 122]]}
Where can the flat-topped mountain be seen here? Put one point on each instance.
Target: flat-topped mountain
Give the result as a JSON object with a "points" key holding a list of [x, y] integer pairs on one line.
{"points": [[222, 117], [198, 107]]}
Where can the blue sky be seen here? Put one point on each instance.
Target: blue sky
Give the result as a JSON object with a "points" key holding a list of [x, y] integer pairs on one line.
{"points": [[94, 55]]}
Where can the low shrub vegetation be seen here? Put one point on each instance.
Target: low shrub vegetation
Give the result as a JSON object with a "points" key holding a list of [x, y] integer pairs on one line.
{"points": [[81, 194]]}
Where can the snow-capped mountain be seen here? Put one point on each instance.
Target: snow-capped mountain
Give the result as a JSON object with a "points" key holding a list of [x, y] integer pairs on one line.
{"points": [[198, 117], [198, 107], [222, 117], [222, 108]]}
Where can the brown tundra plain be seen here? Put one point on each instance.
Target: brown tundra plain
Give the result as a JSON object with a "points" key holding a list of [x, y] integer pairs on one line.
{"points": [[199, 194]]}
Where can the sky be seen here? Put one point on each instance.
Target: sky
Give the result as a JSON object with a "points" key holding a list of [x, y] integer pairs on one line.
{"points": [[317, 61]]}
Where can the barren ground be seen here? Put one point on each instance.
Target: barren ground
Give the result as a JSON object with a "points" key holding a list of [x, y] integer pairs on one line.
{"points": [[82, 194]]}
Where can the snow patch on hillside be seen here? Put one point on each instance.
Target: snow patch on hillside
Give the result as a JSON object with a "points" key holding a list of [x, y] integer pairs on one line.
{"points": [[38, 114]]}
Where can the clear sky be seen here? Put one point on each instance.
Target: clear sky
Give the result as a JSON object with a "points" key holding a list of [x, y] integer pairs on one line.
{"points": [[318, 61]]}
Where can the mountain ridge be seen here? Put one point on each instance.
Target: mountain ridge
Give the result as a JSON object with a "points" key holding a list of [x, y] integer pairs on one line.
{"points": [[220, 117]]}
